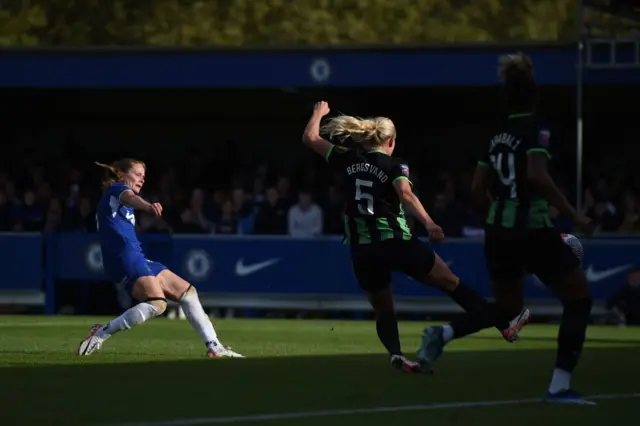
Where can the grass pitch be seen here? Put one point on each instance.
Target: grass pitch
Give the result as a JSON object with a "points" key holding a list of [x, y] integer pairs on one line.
{"points": [[301, 373]]}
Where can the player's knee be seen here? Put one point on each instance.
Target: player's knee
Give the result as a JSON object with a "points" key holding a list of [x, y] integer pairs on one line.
{"points": [[189, 292], [159, 304], [446, 282], [381, 301]]}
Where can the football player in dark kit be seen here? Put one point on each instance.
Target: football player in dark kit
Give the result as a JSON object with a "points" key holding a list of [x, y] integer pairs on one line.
{"points": [[513, 190], [378, 190]]}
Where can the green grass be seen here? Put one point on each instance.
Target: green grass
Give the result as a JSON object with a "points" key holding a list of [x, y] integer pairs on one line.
{"points": [[159, 372]]}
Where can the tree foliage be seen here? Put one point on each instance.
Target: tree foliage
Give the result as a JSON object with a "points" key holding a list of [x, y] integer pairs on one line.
{"points": [[282, 22]]}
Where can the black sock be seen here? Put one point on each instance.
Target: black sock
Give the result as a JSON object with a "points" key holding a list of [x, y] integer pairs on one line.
{"points": [[471, 301], [468, 299], [572, 333], [472, 322], [387, 328]]}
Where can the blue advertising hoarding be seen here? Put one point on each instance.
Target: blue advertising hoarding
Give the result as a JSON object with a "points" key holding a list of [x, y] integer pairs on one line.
{"points": [[283, 265], [21, 261], [202, 68]]}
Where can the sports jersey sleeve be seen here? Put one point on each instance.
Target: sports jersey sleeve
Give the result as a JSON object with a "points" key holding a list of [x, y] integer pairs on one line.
{"points": [[117, 189], [400, 171], [337, 155], [540, 143]]}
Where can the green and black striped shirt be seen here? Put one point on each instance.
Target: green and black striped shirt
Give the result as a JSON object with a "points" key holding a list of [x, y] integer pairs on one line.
{"points": [[516, 203], [373, 211]]}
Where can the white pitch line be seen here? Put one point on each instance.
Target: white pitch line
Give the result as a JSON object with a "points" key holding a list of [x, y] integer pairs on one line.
{"points": [[348, 412], [44, 324]]}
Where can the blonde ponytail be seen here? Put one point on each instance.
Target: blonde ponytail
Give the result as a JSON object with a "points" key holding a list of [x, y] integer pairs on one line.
{"points": [[371, 131]]}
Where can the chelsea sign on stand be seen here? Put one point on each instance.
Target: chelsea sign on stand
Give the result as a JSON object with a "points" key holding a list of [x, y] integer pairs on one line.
{"points": [[93, 257], [320, 70], [198, 265]]}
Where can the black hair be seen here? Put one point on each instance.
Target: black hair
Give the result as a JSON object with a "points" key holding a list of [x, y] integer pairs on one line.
{"points": [[518, 82]]}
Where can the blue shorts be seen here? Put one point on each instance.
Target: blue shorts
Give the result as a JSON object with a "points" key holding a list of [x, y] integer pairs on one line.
{"points": [[127, 269]]}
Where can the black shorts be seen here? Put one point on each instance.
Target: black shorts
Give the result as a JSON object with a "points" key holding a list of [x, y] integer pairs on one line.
{"points": [[374, 263], [511, 254]]}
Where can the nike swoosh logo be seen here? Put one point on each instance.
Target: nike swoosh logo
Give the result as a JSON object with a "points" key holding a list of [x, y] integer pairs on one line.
{"points": [[243, 270], [595, 276]]}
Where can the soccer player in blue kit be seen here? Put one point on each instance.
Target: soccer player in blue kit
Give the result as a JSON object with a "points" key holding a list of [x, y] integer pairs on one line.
{"points": [[150, 283]]}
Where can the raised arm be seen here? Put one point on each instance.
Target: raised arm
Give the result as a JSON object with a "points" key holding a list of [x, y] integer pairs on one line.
{"points": [[311, 136]]}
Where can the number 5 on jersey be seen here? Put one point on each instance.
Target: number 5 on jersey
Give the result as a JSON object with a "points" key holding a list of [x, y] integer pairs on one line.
{"points": [[363, 196], [510, 179]]}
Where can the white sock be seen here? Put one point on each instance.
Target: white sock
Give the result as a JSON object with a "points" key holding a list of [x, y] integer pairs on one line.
{"points": [[561, 380], [190, 303], [447, 333], [130, 318]]}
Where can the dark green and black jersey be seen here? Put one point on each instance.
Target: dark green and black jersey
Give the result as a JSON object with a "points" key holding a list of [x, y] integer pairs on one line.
{"points": [[516, 203], [373, 210]]}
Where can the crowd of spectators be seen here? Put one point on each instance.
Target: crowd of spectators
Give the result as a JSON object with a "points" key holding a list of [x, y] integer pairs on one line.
{"points": [[263, 201]]}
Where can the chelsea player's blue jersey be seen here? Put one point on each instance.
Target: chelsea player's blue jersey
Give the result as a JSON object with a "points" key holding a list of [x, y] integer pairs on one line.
{"points": [[116, 225]]}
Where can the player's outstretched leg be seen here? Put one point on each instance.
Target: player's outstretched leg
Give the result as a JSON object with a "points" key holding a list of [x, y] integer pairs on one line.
{"points": [[479, 314], [387, 328], [576, 300], [509, 323], [145, 288], [435, 338], [184, 293]]}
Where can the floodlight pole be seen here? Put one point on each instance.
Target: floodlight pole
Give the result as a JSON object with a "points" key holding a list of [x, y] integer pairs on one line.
{"points": [[579, 89]]}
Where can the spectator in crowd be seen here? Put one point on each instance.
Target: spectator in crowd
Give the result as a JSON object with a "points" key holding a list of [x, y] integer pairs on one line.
{"points": [[625, 305], [241, 206], [170, 214], [283, 185], [32, 215], [334, 212], [227, 224], [630, 217], [258, 195], [271, 218], [7, 213], [447, 213], [87, 216], [600, 208], [53, 221], [305, 218], [153, 224], [193, 219], [214, 210], [45, 193]]}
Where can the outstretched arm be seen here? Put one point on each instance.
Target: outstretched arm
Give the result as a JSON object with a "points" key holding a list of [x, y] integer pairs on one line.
{"points": [[129, 199], [311, 136], [416, 209]]}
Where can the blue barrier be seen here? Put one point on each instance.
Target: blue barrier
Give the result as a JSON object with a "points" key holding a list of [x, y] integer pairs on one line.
{"points": [[276, 265], [21, 261], [194, 68]]}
